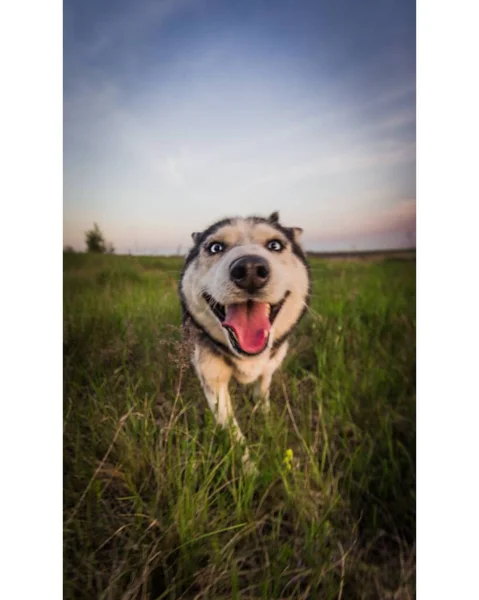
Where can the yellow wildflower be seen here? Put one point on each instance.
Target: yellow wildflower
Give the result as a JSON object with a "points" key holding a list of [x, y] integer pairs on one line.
{"points": [[288, 459]]}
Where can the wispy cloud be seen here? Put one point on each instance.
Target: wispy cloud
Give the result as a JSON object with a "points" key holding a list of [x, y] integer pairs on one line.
{"points": [[401, 215], [175, 115], [120, 30], [343, 161]]}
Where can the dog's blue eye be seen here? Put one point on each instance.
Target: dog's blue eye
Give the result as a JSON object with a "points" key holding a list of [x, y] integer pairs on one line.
{"points": [[216, 247], [275, 245]]}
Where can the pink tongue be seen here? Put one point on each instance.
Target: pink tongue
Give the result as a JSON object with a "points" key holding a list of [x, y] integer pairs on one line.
{"points": [[250, 323]]}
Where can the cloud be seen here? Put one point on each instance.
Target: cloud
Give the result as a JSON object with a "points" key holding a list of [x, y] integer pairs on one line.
{"points": [[391, 95], [342, 161], [170, 168], [122, 29], [196, 120], [399, 217]]}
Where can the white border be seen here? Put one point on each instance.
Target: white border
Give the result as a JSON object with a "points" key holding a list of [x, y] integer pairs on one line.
{"points": [[448, 336], [448, 299], [31, 299]]}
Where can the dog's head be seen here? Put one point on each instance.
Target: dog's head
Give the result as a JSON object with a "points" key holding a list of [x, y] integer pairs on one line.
{"points": [[246, 282]]}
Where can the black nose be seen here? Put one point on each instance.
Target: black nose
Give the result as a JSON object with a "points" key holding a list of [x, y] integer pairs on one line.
{"points": [[250, 272]]}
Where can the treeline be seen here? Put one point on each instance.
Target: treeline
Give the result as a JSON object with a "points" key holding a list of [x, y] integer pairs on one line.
{"points": [[95, 242]]}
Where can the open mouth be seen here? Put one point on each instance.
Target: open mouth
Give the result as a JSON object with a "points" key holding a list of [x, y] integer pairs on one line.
{"points": [[248, 324]]}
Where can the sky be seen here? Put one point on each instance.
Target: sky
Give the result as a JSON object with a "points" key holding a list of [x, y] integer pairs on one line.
{"points": [[178, 113]]}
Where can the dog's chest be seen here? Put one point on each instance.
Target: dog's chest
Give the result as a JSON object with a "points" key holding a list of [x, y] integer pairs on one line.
{"points": [[248, 371]]}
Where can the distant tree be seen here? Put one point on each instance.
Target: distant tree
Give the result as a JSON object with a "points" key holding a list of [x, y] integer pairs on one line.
{"points": [[95, 241], [110, 248], [69, 249]]}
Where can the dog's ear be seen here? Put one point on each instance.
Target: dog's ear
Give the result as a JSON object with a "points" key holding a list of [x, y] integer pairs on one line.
{"points": [[274, 217], [196, 236], [297, 232]]}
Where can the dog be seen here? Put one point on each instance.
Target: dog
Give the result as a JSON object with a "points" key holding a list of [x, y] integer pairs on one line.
{"points": [[244, 287]]}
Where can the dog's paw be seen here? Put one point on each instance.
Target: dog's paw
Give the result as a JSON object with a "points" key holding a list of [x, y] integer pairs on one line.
{"points": [[249, 465], [263, 405]]}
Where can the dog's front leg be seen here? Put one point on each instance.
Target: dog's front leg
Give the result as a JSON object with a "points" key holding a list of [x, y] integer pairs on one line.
{"points": [[261, 390], [214, 375], [219, 401]]}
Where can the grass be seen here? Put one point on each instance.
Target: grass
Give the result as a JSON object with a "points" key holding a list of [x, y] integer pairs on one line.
{"points": [[155, 502]]}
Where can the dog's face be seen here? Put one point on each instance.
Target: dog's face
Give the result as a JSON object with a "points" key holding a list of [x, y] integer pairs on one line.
{"points": [[246, 282]]}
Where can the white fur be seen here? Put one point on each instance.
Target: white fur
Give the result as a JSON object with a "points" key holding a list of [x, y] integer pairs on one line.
{"points": [[210, 274]]}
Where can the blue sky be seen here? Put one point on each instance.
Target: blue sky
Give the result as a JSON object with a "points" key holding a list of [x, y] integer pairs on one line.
{"points": [[180, 112]]}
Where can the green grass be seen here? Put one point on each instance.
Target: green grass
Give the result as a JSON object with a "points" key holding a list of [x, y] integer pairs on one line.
{"points": [[156, 504]]}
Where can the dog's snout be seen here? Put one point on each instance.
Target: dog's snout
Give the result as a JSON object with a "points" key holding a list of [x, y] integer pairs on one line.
{"points": [[250, 272]]}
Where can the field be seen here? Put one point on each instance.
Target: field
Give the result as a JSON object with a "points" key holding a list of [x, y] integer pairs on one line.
{"points": [[155, 502]]}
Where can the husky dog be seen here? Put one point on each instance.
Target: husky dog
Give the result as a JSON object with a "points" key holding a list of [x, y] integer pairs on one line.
{"points": [[244, 287]]}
